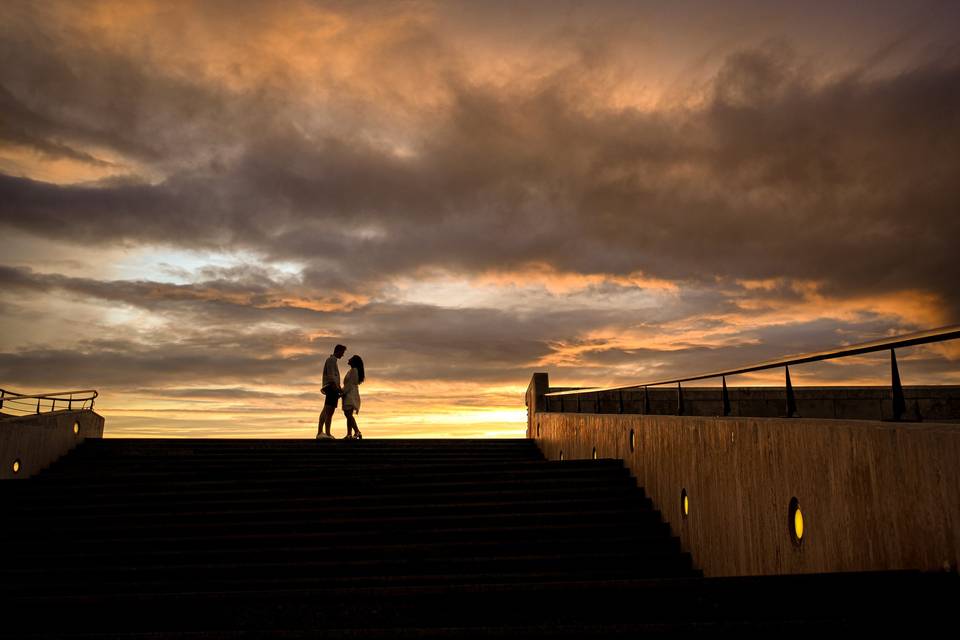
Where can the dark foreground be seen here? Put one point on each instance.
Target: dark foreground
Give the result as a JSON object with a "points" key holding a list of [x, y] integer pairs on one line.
{"points": [[388, 539]]}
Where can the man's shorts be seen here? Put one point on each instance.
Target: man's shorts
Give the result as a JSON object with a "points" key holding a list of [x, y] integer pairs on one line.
{"points": [[332, 396]]}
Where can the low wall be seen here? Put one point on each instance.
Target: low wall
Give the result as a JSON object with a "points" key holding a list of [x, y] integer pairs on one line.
{"points": [[36, 441], [925, 404], [874, 495]]}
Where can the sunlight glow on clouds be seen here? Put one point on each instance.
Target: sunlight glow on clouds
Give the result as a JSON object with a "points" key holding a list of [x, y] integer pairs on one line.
{"points": [[176, 266], [198, 200]]}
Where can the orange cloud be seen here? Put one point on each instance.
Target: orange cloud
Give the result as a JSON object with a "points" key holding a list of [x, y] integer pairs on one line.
{"points": [[912, 309], [278, 299], [561, 282]]}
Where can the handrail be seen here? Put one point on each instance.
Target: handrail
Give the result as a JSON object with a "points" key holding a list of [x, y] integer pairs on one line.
{"points": [[942, 334], [13, 401]]}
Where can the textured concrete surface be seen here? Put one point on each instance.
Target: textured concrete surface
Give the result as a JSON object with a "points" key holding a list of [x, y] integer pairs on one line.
{"points": [[862, 403], [874, 495], [36, 441]]}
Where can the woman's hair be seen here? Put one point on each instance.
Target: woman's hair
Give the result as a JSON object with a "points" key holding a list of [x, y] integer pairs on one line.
{"points": [[357, 364]]}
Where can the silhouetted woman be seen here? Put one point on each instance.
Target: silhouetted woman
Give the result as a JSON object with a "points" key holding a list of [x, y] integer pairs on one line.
{"points": [[351, 396]]}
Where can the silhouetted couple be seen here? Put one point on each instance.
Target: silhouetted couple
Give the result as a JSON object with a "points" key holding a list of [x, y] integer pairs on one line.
{"points": [[333, 391]]}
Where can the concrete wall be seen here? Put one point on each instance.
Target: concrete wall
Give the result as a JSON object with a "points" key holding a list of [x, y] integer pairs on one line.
{"points": [[39, 440], [940, 403], [874, 495]]}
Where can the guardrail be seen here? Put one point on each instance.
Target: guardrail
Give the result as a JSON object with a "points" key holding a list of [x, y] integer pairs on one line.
{"points": [[899, 404], [13, 403]]}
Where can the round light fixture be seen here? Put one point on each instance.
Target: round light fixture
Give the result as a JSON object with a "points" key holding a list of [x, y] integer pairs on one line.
{"points": [[795, 521]]}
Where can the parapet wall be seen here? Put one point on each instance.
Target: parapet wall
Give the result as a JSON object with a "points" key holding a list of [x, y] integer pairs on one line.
{"points": [[838, 403], [32, 443], [873, 495]]}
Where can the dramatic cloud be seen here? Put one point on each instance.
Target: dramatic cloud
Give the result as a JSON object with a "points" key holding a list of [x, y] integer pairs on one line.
{"points": [[466, 192]]}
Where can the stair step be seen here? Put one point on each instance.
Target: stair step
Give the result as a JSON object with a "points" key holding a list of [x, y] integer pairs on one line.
{"points": [[217, 513], [315, 469], [140, 504], [457, 533], [384, 525], [635, 562], [546, 540], [328, 478]]}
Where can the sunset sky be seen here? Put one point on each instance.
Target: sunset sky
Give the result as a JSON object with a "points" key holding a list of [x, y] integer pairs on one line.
{"points": [[199, 199]]}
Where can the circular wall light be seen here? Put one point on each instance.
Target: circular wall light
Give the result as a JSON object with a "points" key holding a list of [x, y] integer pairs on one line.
{"points": [[684, 504], [76, 428], [16, 465], [633, 439], [795, 522]]}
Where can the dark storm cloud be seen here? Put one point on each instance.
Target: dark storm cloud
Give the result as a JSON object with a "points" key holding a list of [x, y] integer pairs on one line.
{"points": [[24, 127], [252, 298], [209, 341], [226, 393], [56, 91], [115, 364], [849, 181], [215, 356], [217, 322], [254, 295]]}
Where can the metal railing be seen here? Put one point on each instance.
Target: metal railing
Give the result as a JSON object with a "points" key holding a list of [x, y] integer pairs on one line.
{"points": [[18, 404], [899, 403]]}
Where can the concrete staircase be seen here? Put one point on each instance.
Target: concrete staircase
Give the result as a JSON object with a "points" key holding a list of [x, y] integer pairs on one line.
{"points": [[385, 539]]}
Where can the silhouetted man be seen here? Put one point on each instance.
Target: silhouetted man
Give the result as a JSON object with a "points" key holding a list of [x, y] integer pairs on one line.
{"points": [[330, 387]]}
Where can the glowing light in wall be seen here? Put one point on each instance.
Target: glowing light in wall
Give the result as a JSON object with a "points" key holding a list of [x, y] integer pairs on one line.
{"points": [[796, 521]]}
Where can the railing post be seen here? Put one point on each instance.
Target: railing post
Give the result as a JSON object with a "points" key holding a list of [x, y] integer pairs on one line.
{"points": [[38, 405], [70, 403], [578, 402], [1, 398], [679, 400], [646, 401], [726, 398], [619, 400], [899, 403], [791, 399], [53, 404]]}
